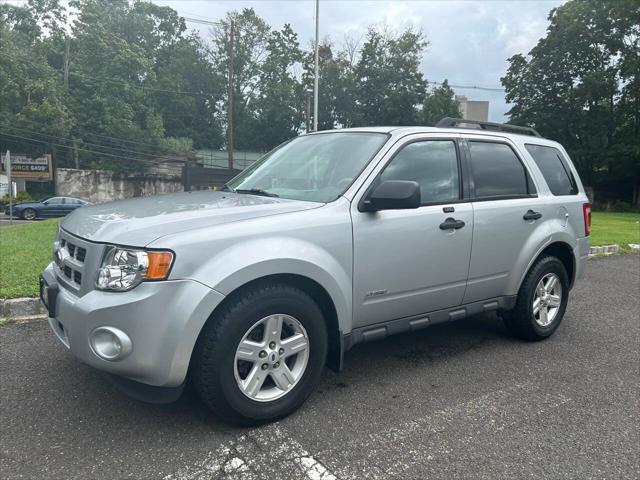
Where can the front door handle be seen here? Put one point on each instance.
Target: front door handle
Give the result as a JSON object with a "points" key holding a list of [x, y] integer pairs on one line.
{"points": [[451, 224], [531, 215]]}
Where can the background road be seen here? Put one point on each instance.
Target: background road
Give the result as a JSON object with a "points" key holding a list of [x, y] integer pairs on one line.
{"points": [[460, 400]]}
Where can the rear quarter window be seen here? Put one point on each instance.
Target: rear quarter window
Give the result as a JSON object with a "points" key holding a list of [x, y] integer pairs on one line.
{"points": [[554, 168]]}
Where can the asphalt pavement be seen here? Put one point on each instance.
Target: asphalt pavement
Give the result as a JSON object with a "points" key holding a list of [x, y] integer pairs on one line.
{"points": [[460, 400]]}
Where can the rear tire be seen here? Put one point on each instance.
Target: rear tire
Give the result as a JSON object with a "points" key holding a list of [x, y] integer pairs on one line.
{"points": [[221, 377], [29, 214], [542, 301]]}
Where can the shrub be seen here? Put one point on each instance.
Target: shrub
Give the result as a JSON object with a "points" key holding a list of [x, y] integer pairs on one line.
{"points": [[22, 196]]}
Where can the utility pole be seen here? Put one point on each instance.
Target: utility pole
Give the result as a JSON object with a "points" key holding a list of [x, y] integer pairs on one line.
{"points": [[315, 78], [65, 63], [230, 99], [7, 167], [65, 81]]}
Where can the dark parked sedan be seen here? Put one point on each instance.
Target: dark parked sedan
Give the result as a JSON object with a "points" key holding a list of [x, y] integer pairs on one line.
{"points": [[52, 207]]}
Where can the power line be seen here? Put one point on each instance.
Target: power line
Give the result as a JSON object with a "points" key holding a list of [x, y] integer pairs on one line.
{"points": [[114, 80], [119, 157], [475, 87], [98, 145]]}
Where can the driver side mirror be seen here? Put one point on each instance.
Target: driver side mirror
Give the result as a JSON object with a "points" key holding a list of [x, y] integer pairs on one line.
{"points": [[393, 195], [46, 202]]}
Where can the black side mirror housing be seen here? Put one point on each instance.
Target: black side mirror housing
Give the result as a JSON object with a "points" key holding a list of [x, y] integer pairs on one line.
{"points": [[393, 195]]}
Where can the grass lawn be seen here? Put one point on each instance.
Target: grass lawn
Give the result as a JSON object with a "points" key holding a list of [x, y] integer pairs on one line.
{"points": [[25, 250], [621, 228]]}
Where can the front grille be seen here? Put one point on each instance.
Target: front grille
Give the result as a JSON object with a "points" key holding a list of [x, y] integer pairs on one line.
{"points": [[75, 269], [76, 252]]}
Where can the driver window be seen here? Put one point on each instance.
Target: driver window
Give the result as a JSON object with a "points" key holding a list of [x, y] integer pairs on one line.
{"points": [[433, 164]]}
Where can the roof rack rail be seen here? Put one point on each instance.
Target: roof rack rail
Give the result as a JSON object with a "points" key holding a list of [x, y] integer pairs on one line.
{"points": [[496, 127]]}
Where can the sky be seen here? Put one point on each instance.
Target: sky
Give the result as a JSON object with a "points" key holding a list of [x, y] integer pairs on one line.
{"points": [[469, 41]]}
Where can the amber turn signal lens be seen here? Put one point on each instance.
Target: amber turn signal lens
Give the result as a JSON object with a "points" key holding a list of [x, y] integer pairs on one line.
{"points": [[159, 265]]}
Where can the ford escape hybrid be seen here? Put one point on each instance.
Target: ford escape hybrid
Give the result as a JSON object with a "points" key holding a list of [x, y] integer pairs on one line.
{"points": [[332, 239]]}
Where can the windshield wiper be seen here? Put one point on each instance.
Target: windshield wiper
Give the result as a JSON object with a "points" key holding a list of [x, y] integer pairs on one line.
{"points": [[256, 191]]}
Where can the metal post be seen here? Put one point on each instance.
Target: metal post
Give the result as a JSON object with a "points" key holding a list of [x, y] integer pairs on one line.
{"points": [[315, 78], [230, 99], [7, 167]]}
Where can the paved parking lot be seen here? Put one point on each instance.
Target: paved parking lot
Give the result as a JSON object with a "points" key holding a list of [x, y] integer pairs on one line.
{"points": [[455, 401]]}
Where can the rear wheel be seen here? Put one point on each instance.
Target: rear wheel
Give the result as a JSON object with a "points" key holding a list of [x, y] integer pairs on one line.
{"points": [[541, 302], [29, 214], [261, 355]]}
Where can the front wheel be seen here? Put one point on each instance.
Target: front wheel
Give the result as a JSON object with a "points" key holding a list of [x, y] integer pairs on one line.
{"points": [[541, 302], [261, 355], [29, 214]]}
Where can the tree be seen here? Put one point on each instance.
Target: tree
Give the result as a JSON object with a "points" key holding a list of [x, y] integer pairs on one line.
{"points": [[31, 93], [389, 82], [439, 103], [276, 108], [579, 86], [251, 35]]}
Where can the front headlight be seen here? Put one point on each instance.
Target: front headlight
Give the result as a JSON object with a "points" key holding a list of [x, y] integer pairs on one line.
{"points": [[124, 268]]}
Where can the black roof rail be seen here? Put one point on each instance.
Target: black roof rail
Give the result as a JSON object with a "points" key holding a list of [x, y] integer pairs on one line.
{"points": [[496, 127]]}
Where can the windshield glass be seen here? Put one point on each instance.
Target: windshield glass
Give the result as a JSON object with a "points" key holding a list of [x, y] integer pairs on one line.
{"points": [[316, 168]]}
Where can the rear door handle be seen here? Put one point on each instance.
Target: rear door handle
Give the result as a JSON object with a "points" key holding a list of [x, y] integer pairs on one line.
{"points": [[451, 224], [531, 215]]}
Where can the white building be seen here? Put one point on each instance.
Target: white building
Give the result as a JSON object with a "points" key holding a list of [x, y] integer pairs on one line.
{"points": [[473, 109]]}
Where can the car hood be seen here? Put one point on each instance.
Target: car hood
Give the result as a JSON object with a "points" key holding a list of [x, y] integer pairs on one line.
{"points": [[139, 221], [27, 205]]}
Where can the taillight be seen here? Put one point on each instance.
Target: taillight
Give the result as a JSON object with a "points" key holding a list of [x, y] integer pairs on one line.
{"points": [[586, 212]]}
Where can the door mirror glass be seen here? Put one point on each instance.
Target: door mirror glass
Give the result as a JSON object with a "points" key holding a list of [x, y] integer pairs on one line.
{"points": [[393, 195]]}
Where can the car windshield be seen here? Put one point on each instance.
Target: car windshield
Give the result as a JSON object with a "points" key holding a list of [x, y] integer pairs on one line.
{"points": [[316, 168]]}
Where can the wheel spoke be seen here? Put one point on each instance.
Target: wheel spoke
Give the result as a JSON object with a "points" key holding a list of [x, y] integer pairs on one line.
{"points": [[536, 306], [273, 328], [551, 283], [554, 300], [282, 377], [294, 344], [248, 351], [252, 384], [544, 316]]}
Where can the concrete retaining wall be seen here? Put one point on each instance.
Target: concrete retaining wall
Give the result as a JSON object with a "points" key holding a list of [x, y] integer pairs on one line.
{"points": [[102, 185]]}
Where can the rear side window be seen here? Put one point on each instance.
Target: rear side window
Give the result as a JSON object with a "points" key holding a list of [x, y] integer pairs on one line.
{"points": [[554, 168], [433, 164], [497, 171]]}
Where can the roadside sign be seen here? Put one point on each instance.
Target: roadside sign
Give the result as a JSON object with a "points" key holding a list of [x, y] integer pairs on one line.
{"points": [[33, 169]]}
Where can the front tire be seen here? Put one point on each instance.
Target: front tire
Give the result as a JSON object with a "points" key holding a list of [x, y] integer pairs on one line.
{"points": [[542, 301], [261, 354], [29, 214]]}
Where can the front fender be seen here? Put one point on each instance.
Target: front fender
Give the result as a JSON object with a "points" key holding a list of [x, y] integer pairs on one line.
{"points": [[252, 259]]}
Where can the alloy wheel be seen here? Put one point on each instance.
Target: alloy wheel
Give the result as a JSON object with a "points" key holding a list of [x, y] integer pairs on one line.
{"points": [[271, 358], [547, 299]]}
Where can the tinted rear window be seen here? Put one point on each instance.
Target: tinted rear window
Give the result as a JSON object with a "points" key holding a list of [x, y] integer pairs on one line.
{"points": [[497, 171], [554, 168]]}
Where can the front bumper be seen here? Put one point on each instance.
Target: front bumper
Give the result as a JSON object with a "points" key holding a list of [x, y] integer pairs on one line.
{"points": [[162, 319]]}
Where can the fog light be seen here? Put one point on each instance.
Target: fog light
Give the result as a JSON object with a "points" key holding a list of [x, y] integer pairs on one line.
{"points": [[110, 343]]}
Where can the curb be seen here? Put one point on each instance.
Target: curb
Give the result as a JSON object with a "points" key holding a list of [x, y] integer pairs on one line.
{"points": [[18, 309], [604, 250]]}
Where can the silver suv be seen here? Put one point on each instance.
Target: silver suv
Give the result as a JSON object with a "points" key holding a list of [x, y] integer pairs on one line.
{"points": [[332, 239]]}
